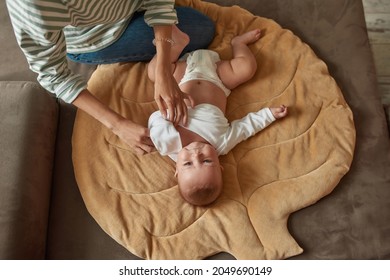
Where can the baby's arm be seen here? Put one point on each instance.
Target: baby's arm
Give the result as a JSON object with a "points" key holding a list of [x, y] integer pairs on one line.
{"points": [[251, 124]]}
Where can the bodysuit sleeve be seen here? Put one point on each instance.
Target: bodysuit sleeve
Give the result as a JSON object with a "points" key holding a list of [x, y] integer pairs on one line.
{"points": [[164, 136], [246, 127]]}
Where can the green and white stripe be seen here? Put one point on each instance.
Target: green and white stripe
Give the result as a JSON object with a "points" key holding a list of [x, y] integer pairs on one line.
{"points": [[47, 29]]}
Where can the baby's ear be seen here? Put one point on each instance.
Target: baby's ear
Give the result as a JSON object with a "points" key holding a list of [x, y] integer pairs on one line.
{"points": [[176, 173]]}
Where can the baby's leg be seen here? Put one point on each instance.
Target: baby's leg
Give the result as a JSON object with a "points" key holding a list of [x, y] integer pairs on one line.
{"points": [[243, 65], [180, 40]]}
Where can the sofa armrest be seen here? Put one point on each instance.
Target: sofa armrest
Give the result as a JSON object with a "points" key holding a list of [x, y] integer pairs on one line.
{"points": [[28, 125], [387, 113]]}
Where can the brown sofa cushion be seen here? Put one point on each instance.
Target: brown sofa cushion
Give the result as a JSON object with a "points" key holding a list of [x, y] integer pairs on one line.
{"points": [[28, 117]]}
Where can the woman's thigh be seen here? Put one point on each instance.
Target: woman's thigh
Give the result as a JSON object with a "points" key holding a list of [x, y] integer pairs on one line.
{"points": [[135, 44]]}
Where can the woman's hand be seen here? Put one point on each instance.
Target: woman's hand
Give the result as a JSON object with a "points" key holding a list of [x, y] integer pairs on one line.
{"points": [[134, 135], [170, 99]]}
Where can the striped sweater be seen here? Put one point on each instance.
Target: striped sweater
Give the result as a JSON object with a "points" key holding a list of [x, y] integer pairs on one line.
{"points": [[47, 29]]}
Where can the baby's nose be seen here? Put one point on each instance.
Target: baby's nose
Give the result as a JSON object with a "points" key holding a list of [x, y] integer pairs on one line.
{"points": [[196, 154]]}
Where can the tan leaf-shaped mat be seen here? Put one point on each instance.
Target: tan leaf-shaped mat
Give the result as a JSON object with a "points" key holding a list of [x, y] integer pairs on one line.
{"points": [[289, 165]]}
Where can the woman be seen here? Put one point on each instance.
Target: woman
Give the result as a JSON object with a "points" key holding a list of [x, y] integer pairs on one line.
{"points": [[107, 31]]}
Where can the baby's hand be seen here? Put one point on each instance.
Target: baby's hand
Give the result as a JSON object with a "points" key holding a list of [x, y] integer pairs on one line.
{"points": [[279, 112]]}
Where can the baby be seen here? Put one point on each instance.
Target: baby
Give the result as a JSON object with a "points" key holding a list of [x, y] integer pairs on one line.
{"points": [[195, 146]]}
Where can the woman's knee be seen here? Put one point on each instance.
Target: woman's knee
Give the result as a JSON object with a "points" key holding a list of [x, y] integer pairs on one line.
{"points": [[197, 25]]}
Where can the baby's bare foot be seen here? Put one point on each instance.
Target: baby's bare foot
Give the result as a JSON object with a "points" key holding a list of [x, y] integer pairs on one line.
{"points": [[247, 38]]}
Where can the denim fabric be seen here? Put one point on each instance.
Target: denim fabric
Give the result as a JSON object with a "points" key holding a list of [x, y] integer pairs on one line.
{"points": [[135, 44]]}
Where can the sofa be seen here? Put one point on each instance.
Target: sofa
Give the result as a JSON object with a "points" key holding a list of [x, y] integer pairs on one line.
{"points": [[43, 216]]}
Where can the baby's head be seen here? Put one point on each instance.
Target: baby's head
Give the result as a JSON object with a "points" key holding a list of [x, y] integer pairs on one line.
{"points": [[199, 173]]}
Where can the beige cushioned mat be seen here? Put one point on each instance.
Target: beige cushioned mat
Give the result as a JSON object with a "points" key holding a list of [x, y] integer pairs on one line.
{"points": [[288, 166]]}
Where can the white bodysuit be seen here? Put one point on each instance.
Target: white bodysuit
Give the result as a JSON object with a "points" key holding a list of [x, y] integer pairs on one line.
{"points": [[206, 120]]}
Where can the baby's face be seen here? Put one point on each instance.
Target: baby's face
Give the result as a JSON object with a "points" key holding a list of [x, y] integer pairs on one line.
{"points": [[197, 157], [198, 165]]}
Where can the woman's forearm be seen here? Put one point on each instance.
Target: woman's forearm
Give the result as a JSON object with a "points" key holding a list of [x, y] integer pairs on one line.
{"points": [[169, 97], [163, 42], [92, 106], [134, 135]]}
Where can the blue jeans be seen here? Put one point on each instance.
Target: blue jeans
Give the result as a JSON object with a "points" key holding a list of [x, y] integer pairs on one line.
{"points": [[135, 44]]}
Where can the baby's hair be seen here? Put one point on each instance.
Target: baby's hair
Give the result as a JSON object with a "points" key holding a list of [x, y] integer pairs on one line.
{"points": [[201, 195]]}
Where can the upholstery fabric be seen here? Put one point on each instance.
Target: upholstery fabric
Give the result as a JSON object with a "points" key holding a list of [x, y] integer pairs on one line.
{"points": [[28, 126]]}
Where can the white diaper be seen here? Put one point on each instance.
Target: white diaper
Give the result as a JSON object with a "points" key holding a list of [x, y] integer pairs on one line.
{"points": [[201, 65]]}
